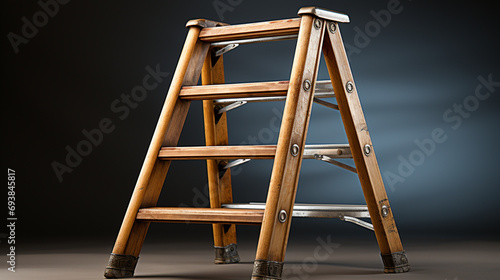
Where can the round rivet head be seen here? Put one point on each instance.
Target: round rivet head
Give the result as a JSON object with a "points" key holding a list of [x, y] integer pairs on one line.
{"points": [[307, 85], [317, 23], [294, 150], [332, 27], [282, 216], [367, 149], [384, 211], [349, 86]]}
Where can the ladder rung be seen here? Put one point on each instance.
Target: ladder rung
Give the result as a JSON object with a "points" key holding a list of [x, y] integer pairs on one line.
{"points": [[251, 30], [260, 91], [234, 90], [217, 152], [248, 152], [323, 89], [201, 215]]}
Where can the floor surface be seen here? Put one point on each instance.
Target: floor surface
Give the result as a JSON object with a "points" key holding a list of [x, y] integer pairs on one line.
{"points": [[318, 259]]}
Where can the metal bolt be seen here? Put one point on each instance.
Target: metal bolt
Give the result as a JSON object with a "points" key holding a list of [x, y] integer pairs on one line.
{"points": [[282, 216], [317, 23], [294, 150], [339, 152], [367, 149], [332, 27], [307, 85], [349, 86], [385, 211]]}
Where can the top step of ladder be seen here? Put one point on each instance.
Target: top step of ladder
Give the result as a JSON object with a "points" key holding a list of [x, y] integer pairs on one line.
{"points": [[276, 28]]}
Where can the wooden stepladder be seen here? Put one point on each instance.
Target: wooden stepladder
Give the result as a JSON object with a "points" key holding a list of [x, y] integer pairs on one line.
{"points": [[316, 31]]}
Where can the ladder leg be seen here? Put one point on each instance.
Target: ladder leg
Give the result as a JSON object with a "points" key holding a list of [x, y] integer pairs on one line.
{"points": [[128, 244], [219, 180], [393, 255], [123, 264], [284, 179]]}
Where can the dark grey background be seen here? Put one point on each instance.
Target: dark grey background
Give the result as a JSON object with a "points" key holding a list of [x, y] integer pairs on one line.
{"points": [[425, 60]]}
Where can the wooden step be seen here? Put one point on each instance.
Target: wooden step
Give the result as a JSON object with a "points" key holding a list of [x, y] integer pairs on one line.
{"points": [[260, 89], [201, 215], [323, 89], [217, 152], [248, 152], [251, 30]]}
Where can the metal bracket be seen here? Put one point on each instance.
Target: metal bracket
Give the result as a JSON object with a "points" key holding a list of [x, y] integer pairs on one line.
{"points": [[236, 163], [347, 213], [226, 49], [301, 210], [255, 40], [217, 52], [334, 162], [326, 103], [231, 106], [356, 221]]}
